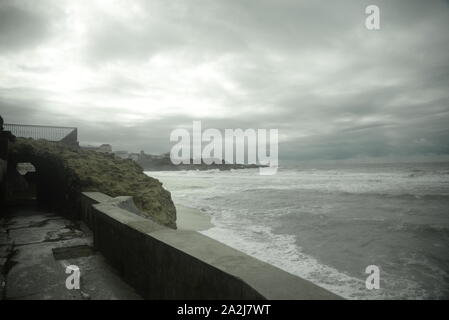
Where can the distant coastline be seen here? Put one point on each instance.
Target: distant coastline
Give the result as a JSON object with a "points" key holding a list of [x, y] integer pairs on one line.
{"points": [[202, 166], [163, 163]]}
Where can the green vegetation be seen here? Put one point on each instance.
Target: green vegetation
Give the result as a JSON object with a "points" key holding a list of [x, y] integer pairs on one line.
{"points": [[64, 172]]}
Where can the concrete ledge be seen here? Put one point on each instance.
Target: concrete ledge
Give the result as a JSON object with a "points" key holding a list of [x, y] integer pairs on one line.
{"points": [[162, 263], [87, 200]]}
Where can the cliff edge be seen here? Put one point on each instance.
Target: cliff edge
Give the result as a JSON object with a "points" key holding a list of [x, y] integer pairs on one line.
{"points": [[63, 172]]}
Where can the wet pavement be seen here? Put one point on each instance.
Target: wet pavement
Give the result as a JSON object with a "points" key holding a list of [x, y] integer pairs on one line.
{"points": [[36, 247]]}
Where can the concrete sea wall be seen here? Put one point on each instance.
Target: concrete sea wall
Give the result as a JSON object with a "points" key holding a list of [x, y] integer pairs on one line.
{"points": [[162, 263]]}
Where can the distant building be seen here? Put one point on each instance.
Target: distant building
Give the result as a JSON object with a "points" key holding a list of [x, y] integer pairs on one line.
{"points": [[144, 156], [104, 148]]}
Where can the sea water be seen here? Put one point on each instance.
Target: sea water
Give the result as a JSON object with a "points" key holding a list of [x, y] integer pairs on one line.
{"points": [[327, 223]]}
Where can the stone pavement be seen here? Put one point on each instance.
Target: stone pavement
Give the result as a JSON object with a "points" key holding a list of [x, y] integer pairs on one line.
{"points": [[35, 249]]}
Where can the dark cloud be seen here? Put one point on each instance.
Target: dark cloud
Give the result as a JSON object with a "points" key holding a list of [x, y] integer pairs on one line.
{"points": [[128, 74], [21, 27]]}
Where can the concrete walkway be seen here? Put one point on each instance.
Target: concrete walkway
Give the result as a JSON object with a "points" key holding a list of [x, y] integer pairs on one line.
{"points": [[35, 249]]}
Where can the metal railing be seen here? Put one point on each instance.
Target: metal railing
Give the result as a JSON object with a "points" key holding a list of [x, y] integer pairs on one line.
{"points": [[50, 133]]}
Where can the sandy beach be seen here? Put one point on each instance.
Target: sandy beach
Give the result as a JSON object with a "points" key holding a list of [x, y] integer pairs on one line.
{"points": [[192, 219]]}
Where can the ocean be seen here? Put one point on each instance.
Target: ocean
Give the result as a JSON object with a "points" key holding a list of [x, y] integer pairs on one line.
{"points": [[326, 223]]}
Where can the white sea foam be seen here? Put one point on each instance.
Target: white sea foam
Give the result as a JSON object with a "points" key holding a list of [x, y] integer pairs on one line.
{"points": [[401, 213], [282, 251]]}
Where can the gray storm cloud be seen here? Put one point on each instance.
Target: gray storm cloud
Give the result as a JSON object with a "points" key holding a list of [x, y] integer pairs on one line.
{"points": [[129, 72]]}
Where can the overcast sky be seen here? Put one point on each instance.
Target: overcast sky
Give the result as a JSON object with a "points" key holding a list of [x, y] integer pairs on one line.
{"points": [[128, 72]]}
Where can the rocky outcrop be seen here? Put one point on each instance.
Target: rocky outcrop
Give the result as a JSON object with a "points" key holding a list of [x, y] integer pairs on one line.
{"points": [[64, 172]]}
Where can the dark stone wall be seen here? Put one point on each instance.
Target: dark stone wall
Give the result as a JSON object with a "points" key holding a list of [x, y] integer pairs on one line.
{"points": [[3, 168], [5, 139], [53, 190]]}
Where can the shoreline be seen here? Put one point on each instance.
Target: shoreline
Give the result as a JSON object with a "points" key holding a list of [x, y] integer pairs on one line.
{"points": [[192, 219]]}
